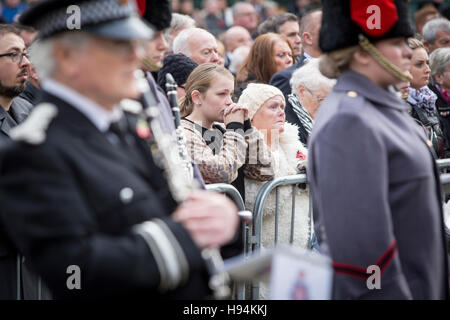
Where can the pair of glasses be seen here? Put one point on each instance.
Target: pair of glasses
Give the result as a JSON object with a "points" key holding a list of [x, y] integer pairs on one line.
{"points": [[15, 56], [315, 96]]}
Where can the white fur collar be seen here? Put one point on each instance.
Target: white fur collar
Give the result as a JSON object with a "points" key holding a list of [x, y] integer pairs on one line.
{"points": [[290, 145]]}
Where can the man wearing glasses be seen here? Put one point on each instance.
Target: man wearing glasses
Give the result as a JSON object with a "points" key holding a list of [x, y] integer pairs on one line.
{"points": [[14, 66]]}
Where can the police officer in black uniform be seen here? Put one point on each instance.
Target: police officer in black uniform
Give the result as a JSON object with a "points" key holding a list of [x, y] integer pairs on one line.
{"points": [[82, 196]]}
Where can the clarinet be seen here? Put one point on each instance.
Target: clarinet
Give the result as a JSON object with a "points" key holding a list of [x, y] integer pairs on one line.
{"points": [[162, 149], [171, 87], [219, 280], [179, 186]]}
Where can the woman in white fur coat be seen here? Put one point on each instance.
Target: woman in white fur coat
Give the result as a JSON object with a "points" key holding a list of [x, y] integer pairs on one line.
{"points": [[266, 105]]}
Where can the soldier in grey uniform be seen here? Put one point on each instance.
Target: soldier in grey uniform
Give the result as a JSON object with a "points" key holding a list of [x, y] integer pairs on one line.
{"points": [[375, 185]]}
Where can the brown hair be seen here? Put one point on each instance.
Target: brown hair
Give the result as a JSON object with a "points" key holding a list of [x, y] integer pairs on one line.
{"points": [[260, 61], [200, 79], [8, 28], [420, 17]]}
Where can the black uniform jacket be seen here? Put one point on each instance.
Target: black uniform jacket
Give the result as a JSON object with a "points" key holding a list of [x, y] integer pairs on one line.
{"points": [[74, 199]]}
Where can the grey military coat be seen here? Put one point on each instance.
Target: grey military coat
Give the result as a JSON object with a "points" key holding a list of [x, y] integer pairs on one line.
{"points": [[376, 195]]}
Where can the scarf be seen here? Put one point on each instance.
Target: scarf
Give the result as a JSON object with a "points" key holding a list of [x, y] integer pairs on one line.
{"points": [[444, 93], [302, 114], [423, 98]]}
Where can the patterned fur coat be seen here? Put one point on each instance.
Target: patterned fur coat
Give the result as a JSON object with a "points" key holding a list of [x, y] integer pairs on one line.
{"points": [[231, 152], [285, 162]]}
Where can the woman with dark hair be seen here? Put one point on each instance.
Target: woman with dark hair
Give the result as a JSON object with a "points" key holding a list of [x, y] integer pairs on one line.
{"points": [[269, 54]]}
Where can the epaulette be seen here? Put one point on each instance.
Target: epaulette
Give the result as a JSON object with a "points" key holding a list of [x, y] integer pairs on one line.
{"points": [[33, 130], [131, 106]]}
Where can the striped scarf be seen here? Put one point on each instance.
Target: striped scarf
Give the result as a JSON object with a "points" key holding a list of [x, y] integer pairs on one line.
{"points": [[302, 114]]}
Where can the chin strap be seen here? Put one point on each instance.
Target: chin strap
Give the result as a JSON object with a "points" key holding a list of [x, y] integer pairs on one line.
{"points": [[149, 65], [389, 67]]}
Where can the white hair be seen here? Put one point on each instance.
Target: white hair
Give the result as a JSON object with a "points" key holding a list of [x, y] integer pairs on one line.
{"points": [[433, 26], [439, 61], [41, 51], [180, 21], [238, 6], [310, 77], [237, 57], [181, 41]]}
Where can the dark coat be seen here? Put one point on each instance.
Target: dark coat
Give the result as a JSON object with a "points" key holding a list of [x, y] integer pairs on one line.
{"points": [[31, 93], [63, 206], [282, 78], [432, 128], [443, 110], [376, 195], [9, 258], [17, 113]]}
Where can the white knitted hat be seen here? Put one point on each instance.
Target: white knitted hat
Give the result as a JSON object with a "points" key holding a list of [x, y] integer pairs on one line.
{"points": [[254, 96]]}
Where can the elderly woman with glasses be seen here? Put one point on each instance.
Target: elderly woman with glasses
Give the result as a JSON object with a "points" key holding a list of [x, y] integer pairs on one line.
{"points": [[440, 85], [309, 89]]}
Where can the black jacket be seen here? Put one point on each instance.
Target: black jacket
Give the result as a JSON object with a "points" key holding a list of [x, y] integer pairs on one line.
{"points": [[17, 113], [9, 259], [432, 128], [443, 108], [282, 78], [63, 206], [31, 93]]}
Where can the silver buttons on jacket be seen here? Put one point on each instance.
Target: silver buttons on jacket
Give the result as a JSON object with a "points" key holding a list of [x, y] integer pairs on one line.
{"points": [[126, 195]]}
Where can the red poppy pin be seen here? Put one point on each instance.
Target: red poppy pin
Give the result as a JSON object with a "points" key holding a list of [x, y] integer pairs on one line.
{"points": [[300, 156], [143, 129]]}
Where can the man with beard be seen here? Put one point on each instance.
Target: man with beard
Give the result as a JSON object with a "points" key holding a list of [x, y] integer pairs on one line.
{"points": [[32, 87], [14, 66]]}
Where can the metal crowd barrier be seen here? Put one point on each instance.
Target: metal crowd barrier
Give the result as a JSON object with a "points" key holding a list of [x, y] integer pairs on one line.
{"points": [[443, 164], [233, 193], [253, 241], [445, 183], [256, 237]]}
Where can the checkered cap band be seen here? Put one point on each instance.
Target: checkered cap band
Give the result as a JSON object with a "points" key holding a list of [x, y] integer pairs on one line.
{"points": [[91, 13]]}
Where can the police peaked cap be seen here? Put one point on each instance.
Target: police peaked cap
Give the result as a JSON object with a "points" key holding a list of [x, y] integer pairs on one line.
{"points": [[157, 12], [344, 20], [113, 19]]}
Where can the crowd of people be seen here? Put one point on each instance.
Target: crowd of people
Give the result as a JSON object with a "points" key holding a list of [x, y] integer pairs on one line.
{"points": [[99, 170]]}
